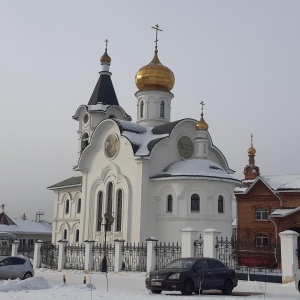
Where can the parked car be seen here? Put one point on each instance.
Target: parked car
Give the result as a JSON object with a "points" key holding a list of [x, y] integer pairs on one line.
{"points": [[297, 280], [15, 267], [192, 275]]}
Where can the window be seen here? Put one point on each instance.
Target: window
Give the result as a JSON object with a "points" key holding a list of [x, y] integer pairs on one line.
{"points": [[162, 109], [261, 240], [84, 141], [214, 264], [99, 210], [169, 203], [142, 109], [220, 204], [67, 208], [261, 214], [119, 211], [65, 234], [79, 206], [109, 202], [195, 203], [77, 236]]}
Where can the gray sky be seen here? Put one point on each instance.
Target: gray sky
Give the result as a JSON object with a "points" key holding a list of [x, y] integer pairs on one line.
{"points": [[242, 58]]}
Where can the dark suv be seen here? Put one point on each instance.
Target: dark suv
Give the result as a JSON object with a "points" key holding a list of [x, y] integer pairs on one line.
{"points": [[192, 274]]}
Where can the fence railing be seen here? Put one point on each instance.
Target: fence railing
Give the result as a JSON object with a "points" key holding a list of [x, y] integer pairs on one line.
{"points": [[5, 249], [26, 250], [74, 257], [198, 244], [134, 257], [49, 256], [98, 252], [165, 253]]}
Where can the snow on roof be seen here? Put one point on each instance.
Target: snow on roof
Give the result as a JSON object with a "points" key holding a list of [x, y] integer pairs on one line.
{"points": [[197, 168], [282, 182], [139, 135], [98, 106], [28, 227], [283, 212]]}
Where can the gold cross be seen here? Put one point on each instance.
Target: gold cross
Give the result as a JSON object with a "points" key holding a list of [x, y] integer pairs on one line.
{"points": [[251, 140], [106, 42], [156, 27], [202, 104]]}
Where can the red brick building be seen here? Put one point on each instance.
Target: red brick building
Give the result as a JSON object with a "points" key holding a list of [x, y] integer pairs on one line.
{"points": [[266, 206]]}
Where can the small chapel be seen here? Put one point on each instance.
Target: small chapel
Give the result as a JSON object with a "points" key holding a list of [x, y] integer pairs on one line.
{"points": [[148, 178]]}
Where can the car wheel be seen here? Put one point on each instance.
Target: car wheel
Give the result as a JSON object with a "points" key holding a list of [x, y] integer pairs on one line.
{"points": [[188, 287], [227, 288], [156, 291], [27, 275]]}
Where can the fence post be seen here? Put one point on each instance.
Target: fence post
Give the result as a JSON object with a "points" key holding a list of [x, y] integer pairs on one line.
{"points": [[61, 254], [209, 242], [188, 237], [151, 259], [37, 254], [118, 255], [289, 259], [14, 247], [88, 257]]}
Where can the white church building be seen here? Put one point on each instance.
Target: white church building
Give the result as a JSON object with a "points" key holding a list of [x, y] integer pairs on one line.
{"points": [[152, 177]]}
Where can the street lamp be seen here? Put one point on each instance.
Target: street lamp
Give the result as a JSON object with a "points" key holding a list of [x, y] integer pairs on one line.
{"points": [[109, 219]]}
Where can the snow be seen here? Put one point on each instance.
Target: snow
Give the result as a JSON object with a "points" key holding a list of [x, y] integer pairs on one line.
{"points": [[48, 285]]}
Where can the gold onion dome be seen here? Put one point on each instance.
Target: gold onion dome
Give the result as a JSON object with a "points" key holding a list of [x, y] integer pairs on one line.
{"points": [[251, 151], [201, 125], [154, 76], [105, 58]]}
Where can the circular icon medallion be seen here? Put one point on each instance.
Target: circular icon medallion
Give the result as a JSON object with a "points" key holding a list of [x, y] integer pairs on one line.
{"points": [[185, 147], [111, 145]]}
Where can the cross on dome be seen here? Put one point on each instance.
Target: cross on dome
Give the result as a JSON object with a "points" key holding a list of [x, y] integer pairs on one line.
{"points": [[202, 107], [106, 42], [156, 27]]}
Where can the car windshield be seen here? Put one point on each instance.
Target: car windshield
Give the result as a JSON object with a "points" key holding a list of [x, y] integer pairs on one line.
{"points": [[180, 264]]}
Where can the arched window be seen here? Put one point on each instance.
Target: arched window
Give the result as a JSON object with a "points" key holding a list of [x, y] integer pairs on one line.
{"points": [[79, 206], [169, 203], [67, 207], [220, 204], [119, 211], [65, 234], [77, 236], [261, 240], [99, 210], [142, 109], [261, 214], [162, 109], [109, 202], [84, 141], [195, 203]]}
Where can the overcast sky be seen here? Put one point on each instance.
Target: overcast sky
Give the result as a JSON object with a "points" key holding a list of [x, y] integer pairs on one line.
{"points": [[242, 58]]}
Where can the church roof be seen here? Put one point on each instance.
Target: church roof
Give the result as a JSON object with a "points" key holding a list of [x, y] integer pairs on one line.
{"points": [[72, 181], [104, 92], [6, 220], [203, 168]]}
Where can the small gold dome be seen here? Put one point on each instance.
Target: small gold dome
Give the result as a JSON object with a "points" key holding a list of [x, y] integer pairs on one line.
{"points": [[201, 125], [251, 151], [105, 58], [154, 76]]}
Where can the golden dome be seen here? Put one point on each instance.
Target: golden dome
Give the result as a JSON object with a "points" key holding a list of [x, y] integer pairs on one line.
{"points": [[201, 125], [251, 151], [105, 58], [154, 76]]}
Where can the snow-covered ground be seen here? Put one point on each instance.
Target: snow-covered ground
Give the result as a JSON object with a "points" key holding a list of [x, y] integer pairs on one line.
{"points": [[48, 285]]}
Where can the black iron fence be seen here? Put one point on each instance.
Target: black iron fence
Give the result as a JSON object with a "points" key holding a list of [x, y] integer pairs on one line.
{"points": [[134, 257], [49, 256], [74, 257], [199, 246], [165, 253], [5, 249], [26, 250], [98, 252]]}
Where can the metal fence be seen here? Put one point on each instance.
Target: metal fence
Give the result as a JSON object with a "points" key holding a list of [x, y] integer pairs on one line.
{"points": [[98, 251], [5, 249], [199, 246], [49, 256], [165, 253], [26, 250], [134, 257], [74, 257]]}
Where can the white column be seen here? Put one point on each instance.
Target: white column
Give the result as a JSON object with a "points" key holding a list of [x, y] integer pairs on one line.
{"points": [[188, 237], [37, 254], [151, 254], [209, 242], [289, 260], [118, 255], [14, 247], [61, 254], [88, 257]]}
